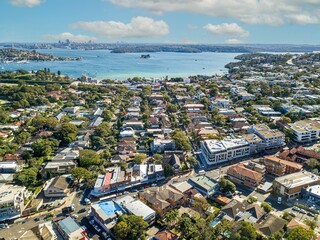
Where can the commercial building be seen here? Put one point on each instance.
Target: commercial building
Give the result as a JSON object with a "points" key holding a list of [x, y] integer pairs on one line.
{"points": [[305, 131], [70, 230], [242, 175], [311, 193], [216, 151], [106, 213], [117, 180], [279, 167], [12, 201], [290, 186]]}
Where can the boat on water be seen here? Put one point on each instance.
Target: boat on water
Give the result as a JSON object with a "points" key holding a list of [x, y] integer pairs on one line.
{"points": [[145, 56], [23, 62]]}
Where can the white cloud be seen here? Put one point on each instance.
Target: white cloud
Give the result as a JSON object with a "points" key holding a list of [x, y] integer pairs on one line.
{"points": [[227, 29], [67, 35], [192, 27], [274, 12], [25, 3], [139, 27], [233, 41]]}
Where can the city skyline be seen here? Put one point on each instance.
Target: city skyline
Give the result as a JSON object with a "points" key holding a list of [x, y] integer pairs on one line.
{"points": [[151, 21]]}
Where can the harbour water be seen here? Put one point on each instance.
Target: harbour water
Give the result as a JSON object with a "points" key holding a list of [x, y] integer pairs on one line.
{"points": [[102, 64]]}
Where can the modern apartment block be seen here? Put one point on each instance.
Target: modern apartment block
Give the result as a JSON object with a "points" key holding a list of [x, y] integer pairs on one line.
{"points": [[216, 151], [271, 138], [12, 201], [305, 131]]}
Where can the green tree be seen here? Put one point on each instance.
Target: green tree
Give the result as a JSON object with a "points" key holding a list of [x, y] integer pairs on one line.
{"points": [[227, 186], [88, 158], [107, 115], [80, 173], [130, 227], [97, 142], [158, 158], [66, 133], [41, 148], [266, 207], [301, 234], [172, 108], [27, 177], [192, 160], [168, 170], [247, 231], [22, 137], [139, 158], [181, 141], [171, 218], [201, 205]]}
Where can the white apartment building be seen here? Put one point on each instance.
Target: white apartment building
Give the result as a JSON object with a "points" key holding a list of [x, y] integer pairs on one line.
{"points": [[305, 131], [271, 138], [216, 151], [12, 201]]}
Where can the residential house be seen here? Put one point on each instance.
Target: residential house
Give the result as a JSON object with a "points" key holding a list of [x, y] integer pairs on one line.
{"points": [[205, 185], [270, 225], [159, 145], [56, 187], [163, 200], [165, 235], [298, 154]]}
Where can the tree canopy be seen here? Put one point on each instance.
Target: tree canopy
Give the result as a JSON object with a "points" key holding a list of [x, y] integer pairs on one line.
{"points": [[300, 233], [130, 227], [88, 158]]}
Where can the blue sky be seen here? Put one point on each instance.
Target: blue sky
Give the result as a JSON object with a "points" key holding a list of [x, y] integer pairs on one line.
{"points": [[161, 21]]}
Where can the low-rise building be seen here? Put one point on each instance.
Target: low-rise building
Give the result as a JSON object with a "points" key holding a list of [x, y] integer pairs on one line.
{"points": [[311, 193], [56, 187], [279, 167], [305, 131], [55, 168], [117, 180], [10, 167], [12, 201], [163, 199], [216, 151], [106, 213], [70, 229], [290, 186], [204, 185], [160, 145], [244, 176]]}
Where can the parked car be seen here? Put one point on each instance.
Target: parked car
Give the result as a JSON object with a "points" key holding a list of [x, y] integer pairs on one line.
{"points": [[37, 219], [292, 214], [295, 208], [4, 225], [303, 211], [82, 210], [310, 214]]}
